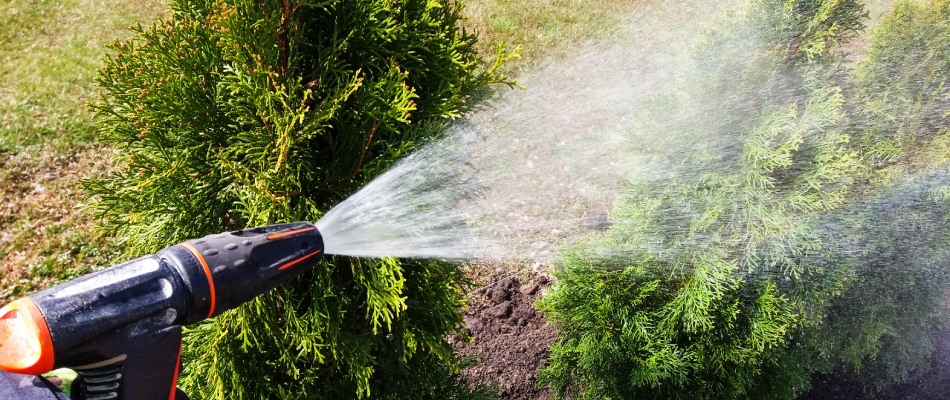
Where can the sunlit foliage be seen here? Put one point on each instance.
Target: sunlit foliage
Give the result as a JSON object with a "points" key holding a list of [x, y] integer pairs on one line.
{"points": [[236, 113], [788, 246]]}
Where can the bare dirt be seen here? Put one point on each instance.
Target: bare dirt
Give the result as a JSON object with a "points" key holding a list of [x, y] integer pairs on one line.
{"points": [[510, 337]]}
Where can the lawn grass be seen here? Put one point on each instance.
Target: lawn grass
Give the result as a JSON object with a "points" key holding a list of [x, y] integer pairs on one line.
{"points": [[542, 28], [49, 53]]}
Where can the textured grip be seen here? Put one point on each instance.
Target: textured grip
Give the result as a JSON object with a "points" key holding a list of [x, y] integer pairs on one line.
{"points": [[240, 265], [82, 312], [117, 328], [146, 370]]}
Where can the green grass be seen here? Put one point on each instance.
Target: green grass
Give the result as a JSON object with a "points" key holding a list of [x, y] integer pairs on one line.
{"points": [[542, 28], [49, 53]]}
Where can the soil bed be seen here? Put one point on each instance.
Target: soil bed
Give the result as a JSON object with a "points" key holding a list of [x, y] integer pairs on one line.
{"points": [[510, 337]]}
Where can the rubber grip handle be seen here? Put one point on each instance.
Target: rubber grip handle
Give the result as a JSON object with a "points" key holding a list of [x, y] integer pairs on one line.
{"points": [[237, 266]]}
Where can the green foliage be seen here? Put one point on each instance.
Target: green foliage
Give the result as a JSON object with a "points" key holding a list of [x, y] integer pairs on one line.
{"points": [[742, 283], [698, 304], [894, 247], [816, 246], [894, 242], [238, 113], [809, 30], [904, 93]]}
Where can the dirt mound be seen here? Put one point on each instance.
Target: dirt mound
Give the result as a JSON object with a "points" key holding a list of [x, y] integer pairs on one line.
{"points": [[511, 338]]}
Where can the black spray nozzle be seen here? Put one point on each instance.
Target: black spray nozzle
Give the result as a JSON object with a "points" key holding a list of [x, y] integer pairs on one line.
{"points": [[225, 270], [120, 328]]}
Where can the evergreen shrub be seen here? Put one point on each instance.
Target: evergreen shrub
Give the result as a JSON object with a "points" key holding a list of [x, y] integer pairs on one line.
{"points": [[902, 90], [810, 239], [237, 113], [901, 108], [770, 256]]}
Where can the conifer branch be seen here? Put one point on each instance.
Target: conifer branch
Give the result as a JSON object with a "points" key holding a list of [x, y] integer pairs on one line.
{"points": [[369, 142]]}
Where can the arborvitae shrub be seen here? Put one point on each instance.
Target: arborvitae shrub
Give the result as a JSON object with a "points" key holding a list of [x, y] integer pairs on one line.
{"points": [[236, 113], [880, 329], [694, 292], [903, 94], [811, 240], [699, 304], [897, 236]]}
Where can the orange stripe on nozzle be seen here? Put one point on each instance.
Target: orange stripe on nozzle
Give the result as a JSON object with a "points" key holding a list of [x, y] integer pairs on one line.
{"points": [[204, 264], [298, 260], [289, 233], [174, 392], [25, 343]]}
